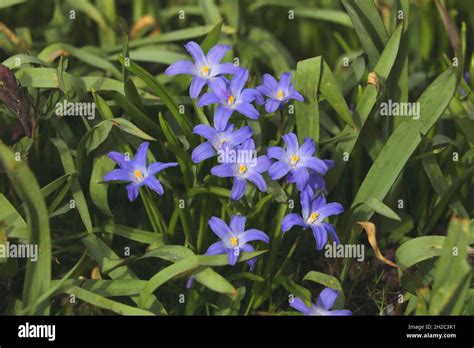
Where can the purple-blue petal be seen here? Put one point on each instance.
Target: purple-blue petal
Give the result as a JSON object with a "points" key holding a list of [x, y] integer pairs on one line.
{"points": [[205, 131], [132, 191], [221, 117], [196, 52], [306, 199], [332, 231], [223, 170], [208, 98], [276, 152], [140, 156], [117, 175], [301, 177], [240, 135], [248, 249], [320, 236], [238, 82], [197, 84], [257, 180], [202, 152], [278, 170], [219, 87], [157, 167], [154, 184], [297, 96], [248, 110], [272, 105], [251, 235], [216, 248], [225, 69], [329, 210], [216, 53], [270, 82], [219, 227], [299, 305], [292, 220], [181, 67], [237, 223], [291, 142], [285, 80], [308, 148], [120, 159], [315, 164], [238, 189], [263, 163], [326, 298], [233, 255]]}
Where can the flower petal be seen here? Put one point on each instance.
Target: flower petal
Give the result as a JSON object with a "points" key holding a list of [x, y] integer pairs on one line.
{"points": [[238, 189], [272, 105], [208, 98], [154, 184], [157, 167], [216, 53], [276, 152], [197, 84], [248, 110], [248, 249], [225, 69], [224, 170], [238, 82], [132, 191], [233, 255], [219, 227], [329, 210], [221, 117], [340, 312], [202, 152], [307, 148], [240, 135], [117, 175], [315, 164], [292, 220], [120, 159], [332, 231], [285, 80], [326, 298], [251, 235], [263, 163], [297, 96], [140, 155], [181, 67], [299, 305], [301, 176], [258, 180], [320, 235], [270, 82], [196, 52], [216, 248], [306, 199], [278, 170], [205, 131], [237, 223], [219, 87], [291, 142]]}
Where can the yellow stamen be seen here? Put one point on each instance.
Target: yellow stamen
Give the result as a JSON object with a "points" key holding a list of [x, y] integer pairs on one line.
{"points": [[138, 174], [313, 217], [230, 99], [242, 168], [205, 70], [222, 141], [294, 159], [233, 241], [280, 94]]}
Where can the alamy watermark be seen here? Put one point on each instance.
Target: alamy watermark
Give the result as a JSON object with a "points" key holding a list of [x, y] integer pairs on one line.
{"points": [[249, 157], [84, 109], [404, 109], [19, 251], [355, 251]]}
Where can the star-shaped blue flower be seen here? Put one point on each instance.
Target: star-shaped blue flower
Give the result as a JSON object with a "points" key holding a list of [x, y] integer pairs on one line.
{"points": [[218, 140], [278, 92], [314, 211], [136, 171], [295, 160], [323, 305], [204, 68], [245, 167], [231, 96]]}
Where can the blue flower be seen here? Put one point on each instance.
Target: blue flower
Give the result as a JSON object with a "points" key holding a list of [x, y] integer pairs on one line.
{"points": [[136, 171], [315, 180], [323, 305], [295, 160], [243, 166], [314, 211], [278, 93], [234, 238], [218, 140], [231, 96], [204, 68]]}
